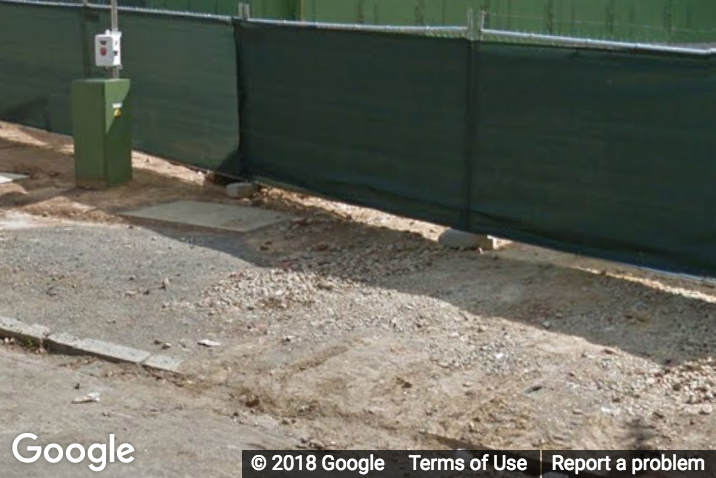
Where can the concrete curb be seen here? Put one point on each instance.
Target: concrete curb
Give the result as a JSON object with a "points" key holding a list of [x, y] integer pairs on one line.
{"points": [[14, 329], [66, 344]]}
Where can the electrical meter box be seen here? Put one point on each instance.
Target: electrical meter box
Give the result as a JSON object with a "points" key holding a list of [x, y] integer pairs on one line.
{"points": [[101, 128], [108, 49]]}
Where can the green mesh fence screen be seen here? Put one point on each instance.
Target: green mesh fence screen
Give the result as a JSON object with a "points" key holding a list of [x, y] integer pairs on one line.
{"points": [[41, 51], [604, 153], [184, 88], [601, 153], [183, 72], [373, 119]]}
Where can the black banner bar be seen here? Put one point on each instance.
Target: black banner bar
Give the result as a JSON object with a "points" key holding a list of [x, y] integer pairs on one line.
{"points": [[465, 463]]}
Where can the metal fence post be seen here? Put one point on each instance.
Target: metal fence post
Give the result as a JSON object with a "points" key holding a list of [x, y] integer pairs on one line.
{"points": [[473, 35], [470, 31], [244, 11], [481, 24]]}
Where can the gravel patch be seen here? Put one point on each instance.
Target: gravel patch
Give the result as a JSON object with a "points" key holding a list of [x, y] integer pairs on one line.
{"points": [[345, 330]]}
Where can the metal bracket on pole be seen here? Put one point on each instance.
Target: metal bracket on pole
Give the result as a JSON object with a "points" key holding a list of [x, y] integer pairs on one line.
{"points": [[244, 11]]}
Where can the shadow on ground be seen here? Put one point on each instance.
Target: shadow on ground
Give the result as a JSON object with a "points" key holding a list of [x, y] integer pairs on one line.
{"points": [[642, 314]]}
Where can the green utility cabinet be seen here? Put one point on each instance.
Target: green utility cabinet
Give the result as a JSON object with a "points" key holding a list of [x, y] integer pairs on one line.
{"points": [[101, 125]]}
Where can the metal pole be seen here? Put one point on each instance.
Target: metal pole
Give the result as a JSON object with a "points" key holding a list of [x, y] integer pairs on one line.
{"points": [[114, 19], [244, 11], [471, 123], [481, 24], [115, 28]]}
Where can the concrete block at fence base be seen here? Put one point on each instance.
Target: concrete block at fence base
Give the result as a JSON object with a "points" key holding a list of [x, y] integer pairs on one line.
{"points": [[454, 239], [163, 363], [241, 190], [15, 329]]}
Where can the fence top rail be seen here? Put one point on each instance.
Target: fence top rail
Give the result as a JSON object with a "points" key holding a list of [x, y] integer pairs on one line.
{"points": [[603, 44], [41, 3], [461, 31], [149, 11], [360, 26]]}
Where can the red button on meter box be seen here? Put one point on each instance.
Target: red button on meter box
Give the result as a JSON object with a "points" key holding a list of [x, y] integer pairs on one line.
{"points": [[103, 51]]}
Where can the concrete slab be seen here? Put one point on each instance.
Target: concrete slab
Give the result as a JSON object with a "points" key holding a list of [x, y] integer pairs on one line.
{"points": [[217, 216], [11, 177]]}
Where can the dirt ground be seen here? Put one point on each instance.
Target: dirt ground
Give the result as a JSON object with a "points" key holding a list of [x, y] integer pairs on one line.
{"points": [[350, 328], [140, 409]]}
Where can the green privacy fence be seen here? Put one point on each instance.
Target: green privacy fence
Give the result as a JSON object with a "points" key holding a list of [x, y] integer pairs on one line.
{"points": [[183, 71], [184, 84], [605, 153], [37, 64], [372, 119]]}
